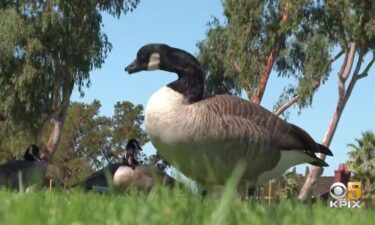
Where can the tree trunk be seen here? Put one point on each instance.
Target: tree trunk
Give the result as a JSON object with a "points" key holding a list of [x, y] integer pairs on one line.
{"points": [[55, 135], [316, 171], [257, 97], [344, 95], [264, 77], [58, 122]]}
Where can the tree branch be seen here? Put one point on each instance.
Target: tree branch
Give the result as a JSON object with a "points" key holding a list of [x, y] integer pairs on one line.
{"points": [[316, 84], [349, 64], [337, 56], [294, 100], [58, 122], [345, 69], [264, 77], [284, 107], [365, 72], [354, 77]]}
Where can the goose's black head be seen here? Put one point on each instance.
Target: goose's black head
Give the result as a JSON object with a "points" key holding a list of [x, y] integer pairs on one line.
{"points": [[133, 145], [190, 81], [149, 57], [131, 148], [32, 153]]}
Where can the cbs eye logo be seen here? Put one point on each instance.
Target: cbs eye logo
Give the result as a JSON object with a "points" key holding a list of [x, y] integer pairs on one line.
{"points": [[338, 191], [346, 196]]}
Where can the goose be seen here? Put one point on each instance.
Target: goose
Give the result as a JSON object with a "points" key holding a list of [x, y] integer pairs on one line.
{"points": [[101, 180], [133, 174], [32, 170], [98, 181], [205, 138]]}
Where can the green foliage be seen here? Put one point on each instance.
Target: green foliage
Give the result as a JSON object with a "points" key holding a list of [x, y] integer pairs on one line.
{"points": [[284, 187], [90, 141], [235, 52], [221, 76], [13, 142], [362, 163], [289, 184], [127, 122], [165, 207], [46, 47]]}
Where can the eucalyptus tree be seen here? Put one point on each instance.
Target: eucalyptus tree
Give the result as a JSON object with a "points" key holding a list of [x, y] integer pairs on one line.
{"points": [[127, 123], [350, 27], [46, 49], [90, 141], [256, 38]]}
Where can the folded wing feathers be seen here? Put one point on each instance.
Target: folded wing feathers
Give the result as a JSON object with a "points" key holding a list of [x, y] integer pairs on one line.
{"points": [[285, 135]]}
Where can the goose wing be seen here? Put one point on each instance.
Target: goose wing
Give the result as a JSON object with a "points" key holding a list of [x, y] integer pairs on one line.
{"points": [[262, 123], [99, 178], [31, 172], [158, 175]]}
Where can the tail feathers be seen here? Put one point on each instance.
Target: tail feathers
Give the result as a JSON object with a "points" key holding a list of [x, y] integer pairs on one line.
{"points": [[308, 142], [76, 185], [323, 149], [318, 162]]}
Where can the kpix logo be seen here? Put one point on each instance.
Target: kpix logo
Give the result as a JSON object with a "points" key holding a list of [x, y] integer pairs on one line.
{"points": [[346, 197]]}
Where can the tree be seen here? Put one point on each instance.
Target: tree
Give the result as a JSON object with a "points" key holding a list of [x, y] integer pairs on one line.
{"points": [[350, 26], [46, 48], [307, 171], [362, 163], [13, 143], [127, 124], [83, 135], [289, 184], [90, 141], [258, 37]]}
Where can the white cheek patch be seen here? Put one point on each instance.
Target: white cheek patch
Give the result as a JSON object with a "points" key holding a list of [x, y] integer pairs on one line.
{"points": [[154, 62]]}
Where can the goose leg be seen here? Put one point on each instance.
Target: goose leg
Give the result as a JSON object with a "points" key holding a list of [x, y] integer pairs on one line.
{"points": [[202, 190], [252, 191]]}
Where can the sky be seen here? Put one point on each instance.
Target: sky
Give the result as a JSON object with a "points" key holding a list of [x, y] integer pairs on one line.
{"points": [[182, 24]]}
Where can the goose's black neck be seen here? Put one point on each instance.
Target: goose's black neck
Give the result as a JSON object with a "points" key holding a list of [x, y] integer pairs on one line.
{"points": [[190, 82], [133, 162]]}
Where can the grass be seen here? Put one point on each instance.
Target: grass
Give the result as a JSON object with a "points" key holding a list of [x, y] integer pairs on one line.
{"points": [[162, 206]]}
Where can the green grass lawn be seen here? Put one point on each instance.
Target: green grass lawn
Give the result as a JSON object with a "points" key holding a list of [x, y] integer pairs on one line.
{"points": [[162, 206]]}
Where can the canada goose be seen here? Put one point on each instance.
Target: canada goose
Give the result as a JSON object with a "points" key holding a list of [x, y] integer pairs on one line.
{"points": [[98, 181], [206, 138], [32, 170], [133, 174]]}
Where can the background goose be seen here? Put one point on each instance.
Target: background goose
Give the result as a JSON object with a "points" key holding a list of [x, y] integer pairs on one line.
{"points": [[133, 174], [31, 169], [206, 138], [102, 179]]}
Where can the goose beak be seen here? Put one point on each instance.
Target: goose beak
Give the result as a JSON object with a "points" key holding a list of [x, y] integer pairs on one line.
{"points": [[133, 67]]}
